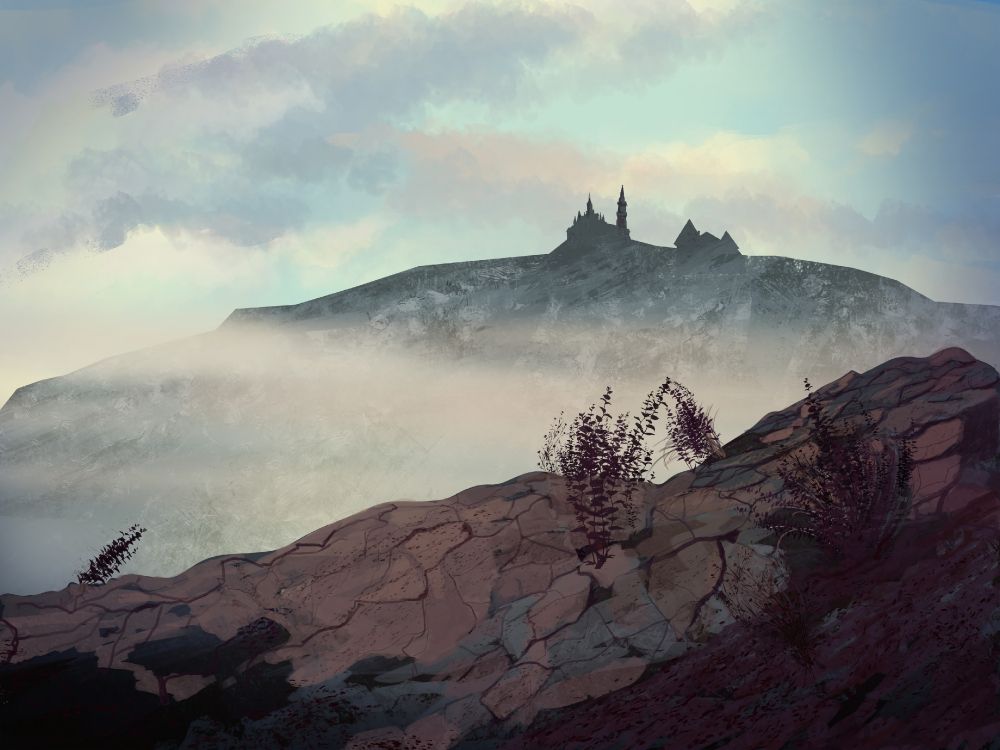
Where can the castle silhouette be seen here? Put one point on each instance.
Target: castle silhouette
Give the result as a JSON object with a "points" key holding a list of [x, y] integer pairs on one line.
{"points": [[589, 231], [592, 224]]}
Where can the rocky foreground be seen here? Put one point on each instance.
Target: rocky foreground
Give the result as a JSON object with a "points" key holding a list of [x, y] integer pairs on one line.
{"points": [[471, 622]]}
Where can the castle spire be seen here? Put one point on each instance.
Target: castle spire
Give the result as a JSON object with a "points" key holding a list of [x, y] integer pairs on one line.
{"points": [[622, 213], [590, 206]]}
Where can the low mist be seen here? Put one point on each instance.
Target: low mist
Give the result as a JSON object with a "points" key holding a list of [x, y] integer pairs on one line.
{"points": [[245, 440]]}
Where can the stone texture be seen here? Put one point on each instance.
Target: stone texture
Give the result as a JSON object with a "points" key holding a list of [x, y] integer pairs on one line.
{"points": [[426, 624], [948, 403]]}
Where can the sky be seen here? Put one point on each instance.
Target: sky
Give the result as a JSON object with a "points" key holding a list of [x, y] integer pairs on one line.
{"points": [[164, 162]]}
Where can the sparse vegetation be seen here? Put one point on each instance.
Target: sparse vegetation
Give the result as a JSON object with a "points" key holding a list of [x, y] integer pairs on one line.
{"points": [[691, 435], [766, 600], [110, 559], [603, 458], [847, 487]]}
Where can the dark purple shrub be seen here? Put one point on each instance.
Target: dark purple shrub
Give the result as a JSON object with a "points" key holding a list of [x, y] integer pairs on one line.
{"points": [[110, 559], [789, 615], [691, 434], [847, 488], [602, 459]]}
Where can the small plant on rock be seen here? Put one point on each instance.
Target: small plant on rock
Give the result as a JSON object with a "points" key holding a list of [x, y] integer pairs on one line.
{"points": [[757, 599], [603, 458], [691, 434], [110, 559], [848, 488]]}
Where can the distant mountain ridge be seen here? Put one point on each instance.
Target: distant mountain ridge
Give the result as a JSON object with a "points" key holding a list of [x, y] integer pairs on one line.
{"points": [[426, 381], [703, 297], [494, 272]]}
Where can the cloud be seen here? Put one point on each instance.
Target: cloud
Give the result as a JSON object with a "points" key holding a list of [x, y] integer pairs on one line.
{"points": [[59, 234], [55, 4], [679, 170], [482, 176], [239, 144], [115, 217], [19, 114], [244, 144], [376, 66], [488, 177], [886, 139], [329, 247], [384, 71]]}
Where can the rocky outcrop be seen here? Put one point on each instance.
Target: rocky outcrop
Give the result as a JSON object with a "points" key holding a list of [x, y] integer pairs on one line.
{"points": [[947, 404], [904, 651], [443, 617], [472, 622]]}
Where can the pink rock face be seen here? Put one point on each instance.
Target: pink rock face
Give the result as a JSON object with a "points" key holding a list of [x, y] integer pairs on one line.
{"points": [[938, 439], [420, 624], [778, 435], [515, 689], [933, 479], [947, 403]]}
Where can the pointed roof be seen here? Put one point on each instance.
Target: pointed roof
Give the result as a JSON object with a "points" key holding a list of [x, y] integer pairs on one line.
{"points": [[730, 242], [621, 195], [688, 235]]}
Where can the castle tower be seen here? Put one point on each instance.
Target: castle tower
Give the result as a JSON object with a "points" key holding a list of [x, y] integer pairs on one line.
{"points": [[622, 223], [589, 228]]}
